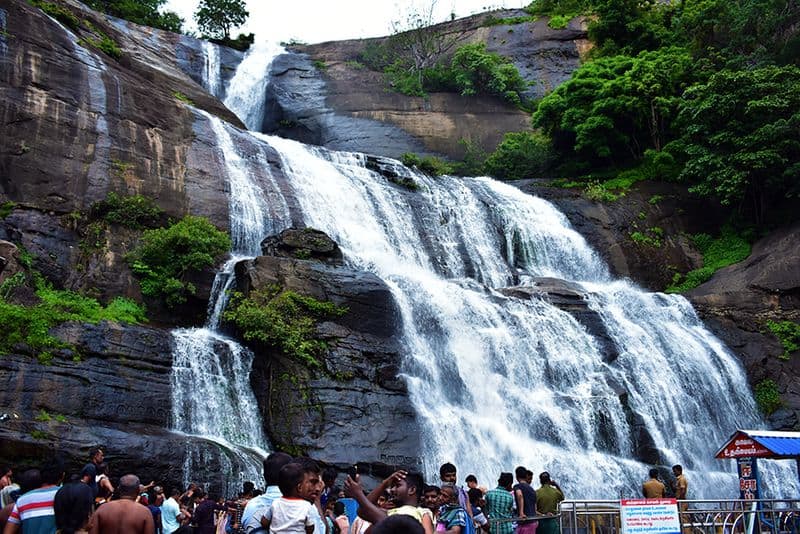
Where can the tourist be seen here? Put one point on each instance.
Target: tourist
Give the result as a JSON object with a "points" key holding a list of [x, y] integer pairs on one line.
{"points": [[452, 518], [89, 472], [203, 518], [124, 515], [329, 479], [293, 512], [30, 480], [104, 487], [398, 524], [500, 506], [340, 518], [548, 497], [5, 480], [404, 488], [525, 497], [154, 502], [73, 506], [431, 498], [471, 481], [680, 486], [360, 525], [171, 512], [257, 506], [448, 476], [33, 511], [477, 503], [653, 488], [318, 514]]}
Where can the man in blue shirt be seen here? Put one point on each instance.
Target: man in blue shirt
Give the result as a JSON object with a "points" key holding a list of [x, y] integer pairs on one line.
{"points": [[253, 515]]}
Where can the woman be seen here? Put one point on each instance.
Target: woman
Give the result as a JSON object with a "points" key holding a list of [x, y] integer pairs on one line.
{"points": [[73, 506]]}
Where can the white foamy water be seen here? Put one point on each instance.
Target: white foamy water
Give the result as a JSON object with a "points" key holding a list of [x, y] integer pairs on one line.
{"points": [[246, 91]]}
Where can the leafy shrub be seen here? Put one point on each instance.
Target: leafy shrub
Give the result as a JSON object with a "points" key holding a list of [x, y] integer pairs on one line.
{"points": [[597, 191], [166, 255], [427, 164], [146, 12], [58, 12], [520, 155], [477, 71], [284, 320], [727, 249], [767, 396], [650, 238], [491, 20], [183, 98], [134, 211], [242, 42], [6, 208], [31, 324], [788, 333]]}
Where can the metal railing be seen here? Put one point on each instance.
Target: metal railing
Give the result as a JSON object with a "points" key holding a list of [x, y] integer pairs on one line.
{"points": [[732, 516]]}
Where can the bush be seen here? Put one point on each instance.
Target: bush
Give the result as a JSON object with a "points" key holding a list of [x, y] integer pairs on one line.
{"points": [[767, 396], [31, 324], [284, 320], [520, 155], [166, 255], [727, 249], [60, 13], [427, 164], [146, 12], [788, 333], [136, 211], [476, 71]]}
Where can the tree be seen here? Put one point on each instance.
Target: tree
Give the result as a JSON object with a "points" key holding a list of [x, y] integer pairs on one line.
{"points": [[615, 108], [216, 18], [740, 137], [144, 12]]}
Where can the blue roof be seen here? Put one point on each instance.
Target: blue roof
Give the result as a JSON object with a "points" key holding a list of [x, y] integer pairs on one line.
{"points": [[786, 444]]}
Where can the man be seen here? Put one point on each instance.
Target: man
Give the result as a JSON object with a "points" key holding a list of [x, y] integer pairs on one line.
{"points": [[681, 485], [329, 479], [448, 475], [90, 470], [33, 513], [547, 498], [125, 515], [653, 488], [500, 506], [170, 512], [405, 489], [430, 498], [253, 514], [525, 496]]}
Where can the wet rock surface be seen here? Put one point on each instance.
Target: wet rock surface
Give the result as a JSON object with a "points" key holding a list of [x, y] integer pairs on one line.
{"points": [[331, 412]]}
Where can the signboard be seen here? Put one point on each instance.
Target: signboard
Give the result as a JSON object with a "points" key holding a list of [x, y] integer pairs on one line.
{"points": [[742, 446], [650, 516], [748, 478]]}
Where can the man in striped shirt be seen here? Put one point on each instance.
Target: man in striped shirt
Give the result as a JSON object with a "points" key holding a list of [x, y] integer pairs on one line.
{"points": [[33, 513]]}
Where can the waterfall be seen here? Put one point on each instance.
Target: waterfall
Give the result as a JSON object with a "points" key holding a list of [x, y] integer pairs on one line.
{"points": [[212, 396], [499, 381], [211, 72], [246, 91]]}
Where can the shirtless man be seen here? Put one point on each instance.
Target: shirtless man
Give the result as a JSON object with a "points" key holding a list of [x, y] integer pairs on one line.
{"points": [[124, 516]]}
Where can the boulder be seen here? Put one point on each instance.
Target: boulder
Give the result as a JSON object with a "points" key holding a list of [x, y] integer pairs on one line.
{"points": [[303, 243], [330, 412]]}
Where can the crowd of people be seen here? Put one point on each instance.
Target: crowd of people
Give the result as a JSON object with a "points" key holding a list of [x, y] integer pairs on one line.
{"points": [[299, 498]]}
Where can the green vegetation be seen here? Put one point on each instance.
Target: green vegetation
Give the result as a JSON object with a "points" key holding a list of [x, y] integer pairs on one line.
{"points": [[39, 434], [146, 12], [520, 155], [6, 208], [30, 324], [183, 98], [475, 71], [167, 255], [788, 333], [284, 320], [104, 43], [767, 396], [427, 164], [320, 65], [216, 18], [727, 249], [649, 238], [136, 211], [58, 12]]}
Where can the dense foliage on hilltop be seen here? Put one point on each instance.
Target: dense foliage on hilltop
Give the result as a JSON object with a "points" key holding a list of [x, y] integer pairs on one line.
{"points": [[710, 89], [146, 12]]}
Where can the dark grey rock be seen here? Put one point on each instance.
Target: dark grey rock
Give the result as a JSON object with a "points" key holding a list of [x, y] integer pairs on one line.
{"points": [[303, 243]]}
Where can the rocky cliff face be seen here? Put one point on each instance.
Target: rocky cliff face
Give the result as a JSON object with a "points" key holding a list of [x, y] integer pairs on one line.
{"points": [[322, 94]]}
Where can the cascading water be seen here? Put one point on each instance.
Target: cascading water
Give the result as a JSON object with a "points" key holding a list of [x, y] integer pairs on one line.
{"points": [[212, 396], [211, 73], [499, 381], [246, 92]]}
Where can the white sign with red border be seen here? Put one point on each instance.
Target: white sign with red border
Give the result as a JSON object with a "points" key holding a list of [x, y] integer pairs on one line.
{"points": [[650, 516]]}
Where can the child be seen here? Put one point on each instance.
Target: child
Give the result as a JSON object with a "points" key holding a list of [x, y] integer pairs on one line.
{"points": [[294, 511]]}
